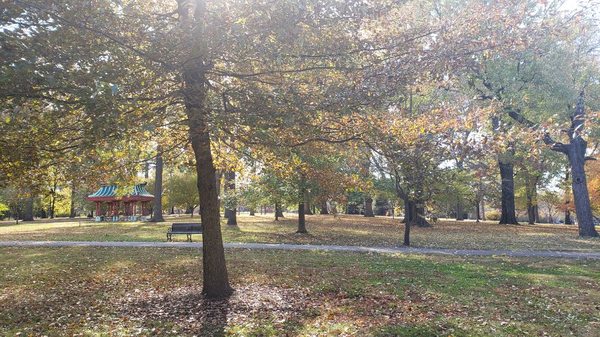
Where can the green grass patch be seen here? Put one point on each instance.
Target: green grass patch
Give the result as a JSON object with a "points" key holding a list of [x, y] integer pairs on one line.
{"points": [[323, 229], [156, 291]]}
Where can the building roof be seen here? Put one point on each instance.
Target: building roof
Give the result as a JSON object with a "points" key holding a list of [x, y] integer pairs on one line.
{"points": [[109, 192]]}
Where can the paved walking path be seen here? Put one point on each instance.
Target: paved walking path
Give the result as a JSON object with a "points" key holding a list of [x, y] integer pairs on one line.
{"points": [[287, 246]]}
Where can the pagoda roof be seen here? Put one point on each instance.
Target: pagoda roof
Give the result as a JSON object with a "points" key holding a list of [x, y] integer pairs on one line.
{"points": [[109, 193]]}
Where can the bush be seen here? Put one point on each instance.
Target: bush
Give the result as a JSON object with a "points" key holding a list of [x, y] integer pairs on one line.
{"points": [[492, 215]]}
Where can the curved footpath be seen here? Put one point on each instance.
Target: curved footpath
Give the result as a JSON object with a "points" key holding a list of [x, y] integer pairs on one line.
{"points": [[287, 246]]}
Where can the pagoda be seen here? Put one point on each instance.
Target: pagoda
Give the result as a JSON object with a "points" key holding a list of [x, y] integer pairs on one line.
{"points": [[133, 206]]}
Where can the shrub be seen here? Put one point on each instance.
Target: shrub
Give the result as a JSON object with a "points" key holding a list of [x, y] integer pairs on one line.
{"points": [[492, 215]]}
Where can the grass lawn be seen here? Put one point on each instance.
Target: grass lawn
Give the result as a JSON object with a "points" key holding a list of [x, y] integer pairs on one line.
{"points": [[343, 230], [153, 291]]}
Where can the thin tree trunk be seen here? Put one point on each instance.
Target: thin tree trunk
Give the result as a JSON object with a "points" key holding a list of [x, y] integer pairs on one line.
{"points": [[324, 209], [157, 212], [568, 219], [278, 211], [230, 214], [218, 175], [147, 170], [483, 209], [478, 211], [369, 207], [508, 215], [301, 210], [420, 219], [192, 22], [53, 199], [72, 210], [307, 208], [410, 211], [531, 195]]}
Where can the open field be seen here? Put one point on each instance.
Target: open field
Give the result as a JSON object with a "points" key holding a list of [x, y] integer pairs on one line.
{"points": [[343, 230], [146, 291]]}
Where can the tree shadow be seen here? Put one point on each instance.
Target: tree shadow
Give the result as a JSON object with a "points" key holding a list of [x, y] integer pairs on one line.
{"points": [[214, 320]]}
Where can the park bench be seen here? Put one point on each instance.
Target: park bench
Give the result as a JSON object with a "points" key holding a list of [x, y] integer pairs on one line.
{"points": [[184, 228]]}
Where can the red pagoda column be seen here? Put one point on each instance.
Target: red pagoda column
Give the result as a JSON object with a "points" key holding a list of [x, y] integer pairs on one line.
{"points": [[98, 209]]}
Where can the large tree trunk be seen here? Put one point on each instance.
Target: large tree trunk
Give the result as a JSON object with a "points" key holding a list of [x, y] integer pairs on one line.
{"points": [[191, 13], [575, 151], [324, 209], [369, 207], [230, 214], [28, 210], [459, 209], [568, 220], [581, 197], [157, 212], [508, 215]]}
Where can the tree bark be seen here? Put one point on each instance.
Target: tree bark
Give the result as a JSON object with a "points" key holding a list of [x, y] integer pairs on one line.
{"points": [[301, 219], [575, 152], [483, 209], [508, 215], [278, 211], [194, 66], [531, 195], [407, 211], [53, 199], [252, 211], [307, 207], [410, 212], [28, 209], [581, 197], [478, 211], [369, 207], [230, 214], [324, 209], [72, 209], [301, 210], [568, 220], [157, 212], [459, 209], [420, 220]]}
